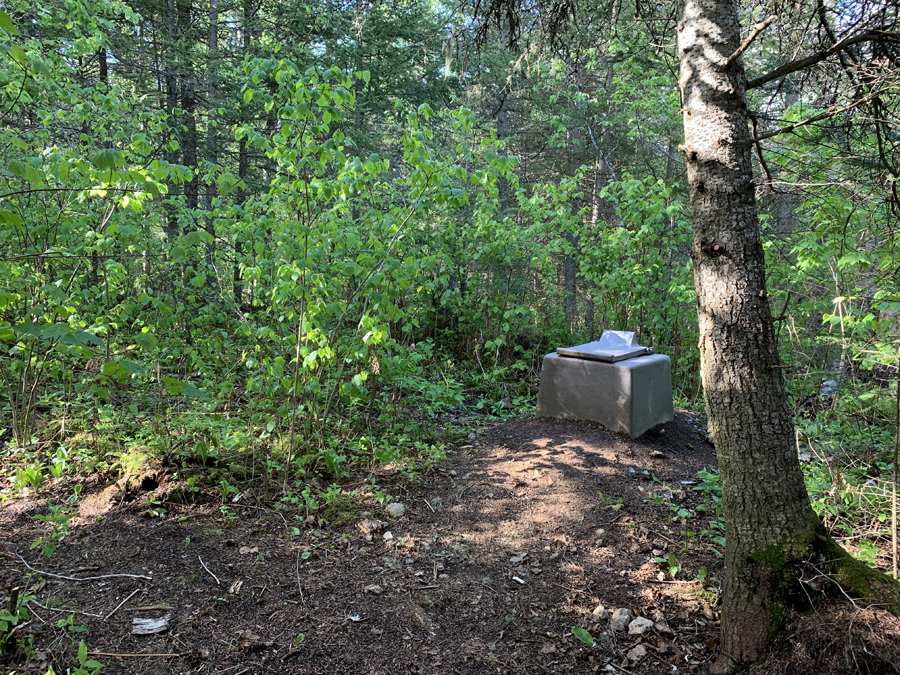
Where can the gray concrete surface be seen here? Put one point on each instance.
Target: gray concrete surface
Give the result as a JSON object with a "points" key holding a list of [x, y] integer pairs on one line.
{"points": [[629, 396]]}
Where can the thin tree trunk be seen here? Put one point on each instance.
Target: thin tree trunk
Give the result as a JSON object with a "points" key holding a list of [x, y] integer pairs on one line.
{"points": [[188, 106], [171, 85], [212, 140], [237, 285]]}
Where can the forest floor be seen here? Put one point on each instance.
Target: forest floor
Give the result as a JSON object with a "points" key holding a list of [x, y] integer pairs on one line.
{"points": [[525, 530]]}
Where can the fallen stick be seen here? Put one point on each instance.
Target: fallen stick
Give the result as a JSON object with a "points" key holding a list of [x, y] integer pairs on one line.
{"points": [[60, 609], [135, 656], [208, 570], [119, 606], [151, 608], [102, 576]]}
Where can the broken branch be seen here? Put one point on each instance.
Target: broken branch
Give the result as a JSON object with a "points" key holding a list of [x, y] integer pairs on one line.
{"points": [[102, 576], [134, 656], [757, 29], [119, 606], [208, 570]]}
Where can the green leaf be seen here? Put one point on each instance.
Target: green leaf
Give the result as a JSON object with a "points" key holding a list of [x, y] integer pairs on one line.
{"points": [[191, 391], [55, 331], [108, 159], [583, 635], [248, 96], [132, 367], [6, 23], [11, 218], [18, 54], [86, 337]]}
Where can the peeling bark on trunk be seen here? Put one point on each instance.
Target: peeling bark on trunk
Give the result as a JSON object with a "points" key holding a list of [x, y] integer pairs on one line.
{"points": [[769, 522]]}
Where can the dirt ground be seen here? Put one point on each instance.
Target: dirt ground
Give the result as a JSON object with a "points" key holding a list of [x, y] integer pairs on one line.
{"points": [[525, 530]]}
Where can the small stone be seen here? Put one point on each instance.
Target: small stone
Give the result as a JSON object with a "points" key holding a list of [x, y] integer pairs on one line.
{"points": [[657, 454], [453, 472], [663, 628], [639, 626], [621, 618], [600, 613], [395, 510], [387, 536], [374, 589], [637, 653], [472, 436]]}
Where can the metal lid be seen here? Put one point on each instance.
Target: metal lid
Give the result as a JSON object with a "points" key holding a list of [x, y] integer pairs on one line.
{"points": [[613, 345]]}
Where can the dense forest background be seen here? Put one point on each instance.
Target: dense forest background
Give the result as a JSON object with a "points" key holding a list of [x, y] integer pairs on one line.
{"points": [[294, 239]]}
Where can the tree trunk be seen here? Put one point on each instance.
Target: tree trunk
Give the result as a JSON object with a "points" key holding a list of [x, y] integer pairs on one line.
{"points": [[189, 144], [171, 85], [771, 529], [212, 154]]}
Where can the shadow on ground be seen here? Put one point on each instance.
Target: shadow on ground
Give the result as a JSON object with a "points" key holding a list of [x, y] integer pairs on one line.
{"points": [[514, 539]]}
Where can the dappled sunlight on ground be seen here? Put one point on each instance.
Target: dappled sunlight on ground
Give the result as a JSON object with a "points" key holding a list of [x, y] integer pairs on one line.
{"points": [[503, 548]]}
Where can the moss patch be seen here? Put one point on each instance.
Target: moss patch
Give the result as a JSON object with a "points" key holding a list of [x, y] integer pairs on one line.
{"points": [[341, 510]]}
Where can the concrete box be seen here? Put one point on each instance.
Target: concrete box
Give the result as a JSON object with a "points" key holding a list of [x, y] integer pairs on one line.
{"points": [[628, 396]]}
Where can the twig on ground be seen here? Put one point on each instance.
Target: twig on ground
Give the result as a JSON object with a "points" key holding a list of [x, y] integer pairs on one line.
{"points": [[662, 536], [119, 606], [263, 508], [464, 490], [488, 587], [151, 608], [429, 504], [135, 656], [208, 570], [60, 609], [60, 576], [299, 585]]}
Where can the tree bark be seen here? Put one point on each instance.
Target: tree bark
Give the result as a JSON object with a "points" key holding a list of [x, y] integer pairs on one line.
{"points": [[772, 532], [769, 522], [171, 86], [212, 154]]}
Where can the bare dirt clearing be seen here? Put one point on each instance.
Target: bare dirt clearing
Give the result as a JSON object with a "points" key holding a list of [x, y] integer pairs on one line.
{"points": [[513, 539]]}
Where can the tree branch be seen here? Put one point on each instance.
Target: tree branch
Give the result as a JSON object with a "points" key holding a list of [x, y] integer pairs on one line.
{"points": [[801, 64], [757, 29], [831, 112]]}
